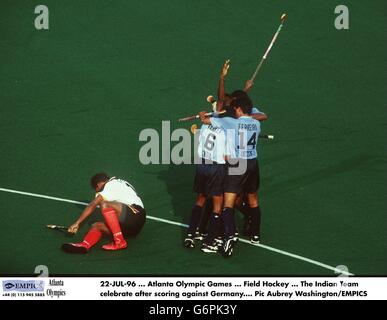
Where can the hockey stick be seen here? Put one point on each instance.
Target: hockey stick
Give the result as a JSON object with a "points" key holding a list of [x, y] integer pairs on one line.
{"points": [[283, 17], [60, 228], [208, 114]]}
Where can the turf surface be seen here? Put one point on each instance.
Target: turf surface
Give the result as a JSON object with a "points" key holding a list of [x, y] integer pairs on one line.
{"points": [[74, 99]]}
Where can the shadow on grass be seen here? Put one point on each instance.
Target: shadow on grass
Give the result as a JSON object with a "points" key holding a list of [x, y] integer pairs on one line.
{"points": [[179, 182]]}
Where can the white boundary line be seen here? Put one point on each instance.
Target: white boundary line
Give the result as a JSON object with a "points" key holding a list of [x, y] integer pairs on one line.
{"points": [[292, 255]]}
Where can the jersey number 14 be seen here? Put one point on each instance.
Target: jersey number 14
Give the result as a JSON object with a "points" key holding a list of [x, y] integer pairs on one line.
{"points": [[242, 141]]}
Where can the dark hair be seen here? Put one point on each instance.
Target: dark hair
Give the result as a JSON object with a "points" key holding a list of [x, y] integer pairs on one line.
{"points": [[230, 97], [242, 94], [243, 102], [239, 93], [97, 178], [230, 112]]}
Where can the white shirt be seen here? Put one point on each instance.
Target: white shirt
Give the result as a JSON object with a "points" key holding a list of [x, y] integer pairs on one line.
{"points": [[120, 191], [212, 143], [241, 136]]}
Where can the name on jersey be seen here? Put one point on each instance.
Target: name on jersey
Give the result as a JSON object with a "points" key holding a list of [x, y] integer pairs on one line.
{"points": [[214, 129], [247, 126]]}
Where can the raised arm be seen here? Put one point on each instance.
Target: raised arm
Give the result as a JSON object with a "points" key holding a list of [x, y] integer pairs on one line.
{"points": [[221, 92], [85, 214]]}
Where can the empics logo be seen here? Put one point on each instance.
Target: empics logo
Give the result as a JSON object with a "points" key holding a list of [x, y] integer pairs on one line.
{"points": [[23, 286], [8, 285]]}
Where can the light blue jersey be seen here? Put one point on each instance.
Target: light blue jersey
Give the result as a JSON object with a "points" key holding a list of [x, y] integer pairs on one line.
{"points": [[212, 143], [241, 136]]}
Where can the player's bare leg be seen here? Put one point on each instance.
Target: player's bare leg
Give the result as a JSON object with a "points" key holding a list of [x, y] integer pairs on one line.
{"points": [[229, 200], [111, 212], [217, 204], [200, 200], [255, 211]]}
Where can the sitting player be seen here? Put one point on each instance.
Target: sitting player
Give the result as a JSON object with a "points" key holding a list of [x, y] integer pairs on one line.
{"points": [[122, 209]]}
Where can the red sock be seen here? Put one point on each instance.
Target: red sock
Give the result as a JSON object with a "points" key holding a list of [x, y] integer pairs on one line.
{"points": [[112, 222], [92, 237]]}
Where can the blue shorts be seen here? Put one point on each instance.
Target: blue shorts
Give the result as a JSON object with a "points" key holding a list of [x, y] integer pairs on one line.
{"points": [[247, 182], [209, 179]]}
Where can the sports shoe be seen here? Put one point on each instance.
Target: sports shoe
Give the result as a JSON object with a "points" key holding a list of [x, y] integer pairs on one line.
{"points": [[189, 242], [254, 239], [236, 235], [228, 247], [209, 248], [200, 235], [115, 246], [75, 248], [218, 242]]}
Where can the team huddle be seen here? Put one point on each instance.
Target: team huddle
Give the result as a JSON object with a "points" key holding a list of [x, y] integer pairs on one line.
{"points": [[228, 175]]}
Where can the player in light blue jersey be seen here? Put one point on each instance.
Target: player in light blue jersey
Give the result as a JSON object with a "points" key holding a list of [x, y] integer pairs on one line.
{"points": [[241, 139], [209, 179], [242, 135], [212, 142], [224, 101]]}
